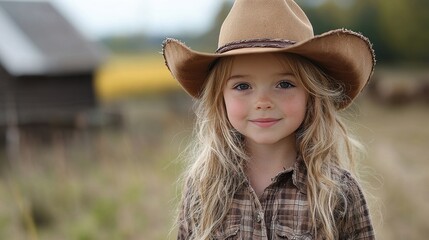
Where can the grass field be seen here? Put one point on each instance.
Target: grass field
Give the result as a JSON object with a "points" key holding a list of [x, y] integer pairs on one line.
{"points": [[397, 142], [120, 182]]}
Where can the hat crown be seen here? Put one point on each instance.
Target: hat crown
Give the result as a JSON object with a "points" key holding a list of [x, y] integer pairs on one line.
{"points": [[262, 19]]}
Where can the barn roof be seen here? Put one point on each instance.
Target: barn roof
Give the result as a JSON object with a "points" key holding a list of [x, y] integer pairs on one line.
{"points": [[37, 40]]}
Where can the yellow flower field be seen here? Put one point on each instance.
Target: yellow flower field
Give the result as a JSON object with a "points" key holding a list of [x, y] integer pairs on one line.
{"points": [[121, 76]]}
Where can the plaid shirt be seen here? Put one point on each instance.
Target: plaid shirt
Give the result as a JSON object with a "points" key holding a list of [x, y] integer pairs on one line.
{"points": [[282, 212]]}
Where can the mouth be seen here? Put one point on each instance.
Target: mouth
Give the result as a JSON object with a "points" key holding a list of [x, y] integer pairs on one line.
{"points": [[265, 122]]}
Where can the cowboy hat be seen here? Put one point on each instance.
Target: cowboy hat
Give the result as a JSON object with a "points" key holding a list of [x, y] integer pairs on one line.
{"points": [[261, 26]]}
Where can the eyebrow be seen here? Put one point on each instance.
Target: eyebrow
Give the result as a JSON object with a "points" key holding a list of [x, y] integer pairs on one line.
{"points": [[237, 76], [285, 74]]}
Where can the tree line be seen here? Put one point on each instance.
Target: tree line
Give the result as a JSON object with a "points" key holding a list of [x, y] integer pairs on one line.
{"points": [[398, 29]]}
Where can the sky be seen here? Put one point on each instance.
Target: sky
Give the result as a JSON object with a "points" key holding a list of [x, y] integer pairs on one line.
{"points": [[98, 18]]}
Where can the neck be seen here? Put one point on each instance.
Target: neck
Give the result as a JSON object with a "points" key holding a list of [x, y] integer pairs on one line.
{"points": [[272, 157], [268, 160]]}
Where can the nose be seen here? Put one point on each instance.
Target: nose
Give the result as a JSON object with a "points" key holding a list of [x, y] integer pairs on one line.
{"points": [[264, 103]]}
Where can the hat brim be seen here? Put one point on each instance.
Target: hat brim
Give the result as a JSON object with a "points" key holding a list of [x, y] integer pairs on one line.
{"points": [[345, 55]]}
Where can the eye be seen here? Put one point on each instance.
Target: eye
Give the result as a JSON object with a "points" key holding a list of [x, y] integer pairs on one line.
{"points": [[242, 86], [284, 84]]}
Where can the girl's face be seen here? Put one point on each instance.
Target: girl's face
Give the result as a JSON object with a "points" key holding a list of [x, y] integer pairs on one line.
{"points": [[264, 100]]}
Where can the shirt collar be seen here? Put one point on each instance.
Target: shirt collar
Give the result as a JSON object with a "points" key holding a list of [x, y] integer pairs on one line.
{"points": [[299, 175]]}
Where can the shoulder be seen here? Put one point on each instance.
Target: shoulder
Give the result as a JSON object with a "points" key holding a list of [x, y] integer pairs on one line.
{"points": [[350, 189], [355, 221], [348, 183]]}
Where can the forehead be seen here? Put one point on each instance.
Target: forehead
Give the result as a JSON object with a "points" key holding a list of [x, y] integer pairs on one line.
{"points": [[262, 63]]}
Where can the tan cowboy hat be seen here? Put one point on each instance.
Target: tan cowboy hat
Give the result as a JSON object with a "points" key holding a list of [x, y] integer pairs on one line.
{"points": [[257, 26]]}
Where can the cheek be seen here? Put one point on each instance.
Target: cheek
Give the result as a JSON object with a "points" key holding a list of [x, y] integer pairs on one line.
{"points": [[236, 109], [296, 106]]}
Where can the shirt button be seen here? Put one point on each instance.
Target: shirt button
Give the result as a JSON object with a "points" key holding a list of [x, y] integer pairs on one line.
{"points": [[259, 217]]}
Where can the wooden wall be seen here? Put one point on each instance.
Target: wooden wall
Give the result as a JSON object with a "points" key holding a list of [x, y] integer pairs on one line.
{"points": [[47, 99]]}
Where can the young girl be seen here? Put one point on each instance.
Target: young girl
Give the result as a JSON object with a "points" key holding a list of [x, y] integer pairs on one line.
{"points": [[272, 158]]}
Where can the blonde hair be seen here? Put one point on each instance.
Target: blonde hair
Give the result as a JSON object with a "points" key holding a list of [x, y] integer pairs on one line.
{"points": [[217, 156]]}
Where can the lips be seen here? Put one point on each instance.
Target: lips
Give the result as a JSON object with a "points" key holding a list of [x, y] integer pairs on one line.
{"points": [[265, 122]]}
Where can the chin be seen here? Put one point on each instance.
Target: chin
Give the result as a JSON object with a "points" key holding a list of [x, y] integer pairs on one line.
{"points": [[265, 141]]}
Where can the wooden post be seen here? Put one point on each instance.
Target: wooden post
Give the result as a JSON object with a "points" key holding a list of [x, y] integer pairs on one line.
{"points": [[12, 124]]}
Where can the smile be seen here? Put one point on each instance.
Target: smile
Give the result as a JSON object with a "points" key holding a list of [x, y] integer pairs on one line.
{"points": [[265, 122]]}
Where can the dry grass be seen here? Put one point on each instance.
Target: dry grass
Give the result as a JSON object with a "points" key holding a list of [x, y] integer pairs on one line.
{"points": [[398, 158], [99, 184]]}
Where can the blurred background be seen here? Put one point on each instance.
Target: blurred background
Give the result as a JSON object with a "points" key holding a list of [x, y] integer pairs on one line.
{"points": [[92, 123]]}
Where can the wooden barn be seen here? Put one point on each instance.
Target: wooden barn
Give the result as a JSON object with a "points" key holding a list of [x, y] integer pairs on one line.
{"points": [[46, 66]]}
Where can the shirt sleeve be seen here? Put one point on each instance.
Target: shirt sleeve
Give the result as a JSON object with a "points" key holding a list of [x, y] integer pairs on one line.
{"points": [[357, 221]]}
